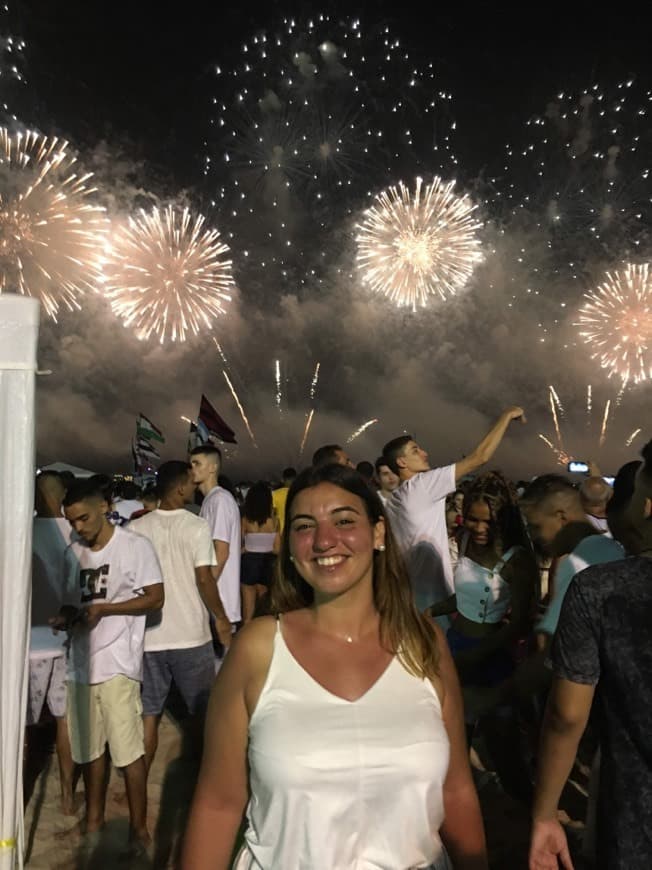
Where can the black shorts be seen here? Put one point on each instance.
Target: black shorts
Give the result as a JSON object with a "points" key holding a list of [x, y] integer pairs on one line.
{"points": [[257, 569]]}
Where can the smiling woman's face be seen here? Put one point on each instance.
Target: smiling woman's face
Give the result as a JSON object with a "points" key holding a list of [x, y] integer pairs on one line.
{"points": [[479, 523], [332, 539]]}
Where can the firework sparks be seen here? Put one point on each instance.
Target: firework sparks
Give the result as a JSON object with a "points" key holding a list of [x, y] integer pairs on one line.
{"points": [[52, 234], [279, 391], [563, 454], [589, 404], [221, 352], [360, 430], [630, 440], [548, 442], [553, 409], [414, 246], [315, 380], [240, 408], [616, 322], [621, 393], [306, 430], [165, 274], [306, 120], [562, 457], [557, 400], [605, 422]]}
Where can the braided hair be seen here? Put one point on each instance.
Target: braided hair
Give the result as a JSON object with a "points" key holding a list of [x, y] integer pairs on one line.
{"points": [[500, 496]]}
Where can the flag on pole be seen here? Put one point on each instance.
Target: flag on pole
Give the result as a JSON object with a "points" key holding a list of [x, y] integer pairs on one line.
{"points": [[146, 429], [144, 448], [210, 423]]}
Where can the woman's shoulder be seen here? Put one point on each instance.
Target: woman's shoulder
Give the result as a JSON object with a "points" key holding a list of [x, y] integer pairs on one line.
{"points": [[257, 633], [248, 661], [253, 645]]}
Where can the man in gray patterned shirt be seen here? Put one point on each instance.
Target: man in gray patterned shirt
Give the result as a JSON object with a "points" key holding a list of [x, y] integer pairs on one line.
{"points": [[603, 648]]}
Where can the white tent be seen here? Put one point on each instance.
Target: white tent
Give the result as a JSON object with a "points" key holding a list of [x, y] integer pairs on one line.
{"points": [[82, 473], [18, 338]]}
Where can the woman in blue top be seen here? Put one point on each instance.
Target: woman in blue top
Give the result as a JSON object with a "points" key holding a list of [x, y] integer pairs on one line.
{"points": [[495, 579], [494, 583]]}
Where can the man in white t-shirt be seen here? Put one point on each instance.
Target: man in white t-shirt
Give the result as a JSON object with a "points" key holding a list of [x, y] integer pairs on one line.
{"points": [[113, 580], [180, 648], [220, 511], [417, 509]]}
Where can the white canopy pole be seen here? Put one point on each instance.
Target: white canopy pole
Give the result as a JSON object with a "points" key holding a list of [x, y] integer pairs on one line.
{"points": [[19, 316]]}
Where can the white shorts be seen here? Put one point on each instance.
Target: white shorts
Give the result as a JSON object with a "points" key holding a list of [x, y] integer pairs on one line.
{"points": [[102, 713], [47, 682]]}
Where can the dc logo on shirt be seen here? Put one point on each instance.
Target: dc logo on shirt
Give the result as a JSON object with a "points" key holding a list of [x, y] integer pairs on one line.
{"points": [[93, 583]]}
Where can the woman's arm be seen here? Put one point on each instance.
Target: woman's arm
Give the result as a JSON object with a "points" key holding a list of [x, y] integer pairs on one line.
{"points": [[222, 787], [462, 832], [448, 605]]}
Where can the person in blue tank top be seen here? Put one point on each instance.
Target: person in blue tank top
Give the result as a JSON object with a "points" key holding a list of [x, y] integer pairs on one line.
{"points": [[495, 578], [338, 721]]}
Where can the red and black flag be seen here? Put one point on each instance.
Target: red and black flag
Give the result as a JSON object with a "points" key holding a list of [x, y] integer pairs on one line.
{"points": [[210, 421]]}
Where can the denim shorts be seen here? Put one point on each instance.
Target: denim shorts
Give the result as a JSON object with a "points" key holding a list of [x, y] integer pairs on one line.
{"points": [[193, 672]]}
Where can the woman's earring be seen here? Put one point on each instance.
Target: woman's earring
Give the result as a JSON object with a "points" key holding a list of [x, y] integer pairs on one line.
{"points": [[291, 558], [381, 548]]}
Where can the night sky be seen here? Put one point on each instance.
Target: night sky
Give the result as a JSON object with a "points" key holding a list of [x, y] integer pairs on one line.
{"points": [[134, 71], [139, 76]]}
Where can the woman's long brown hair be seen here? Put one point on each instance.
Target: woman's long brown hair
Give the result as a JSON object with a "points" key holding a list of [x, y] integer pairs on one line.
{"points": [[404, 631]]}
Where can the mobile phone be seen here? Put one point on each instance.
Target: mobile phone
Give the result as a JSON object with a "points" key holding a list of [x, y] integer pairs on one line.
{"points": [[576, 467]]}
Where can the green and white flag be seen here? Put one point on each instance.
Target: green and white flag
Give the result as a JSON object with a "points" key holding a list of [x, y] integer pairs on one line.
{"points": [[146, 429]]}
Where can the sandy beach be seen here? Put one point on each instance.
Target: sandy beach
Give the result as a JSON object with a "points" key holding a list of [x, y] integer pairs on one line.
{"points": [[54, 841]]}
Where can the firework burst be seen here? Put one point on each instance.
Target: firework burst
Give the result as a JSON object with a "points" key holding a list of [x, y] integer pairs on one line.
{"points": [[578, 190], [414, 246], [307, 117], [165, 274], [616, 322], [52, 233]]}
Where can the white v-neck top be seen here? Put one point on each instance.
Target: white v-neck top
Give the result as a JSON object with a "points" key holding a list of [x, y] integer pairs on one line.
{"points": [[338, 784]]}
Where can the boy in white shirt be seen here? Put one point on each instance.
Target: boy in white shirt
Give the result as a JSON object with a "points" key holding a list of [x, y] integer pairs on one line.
{"points": [[220, 511], [113, 579], [180, 648], [417, 508]]}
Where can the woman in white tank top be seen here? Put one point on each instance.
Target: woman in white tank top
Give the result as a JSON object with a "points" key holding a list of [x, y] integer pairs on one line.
{"points": [[340, 720], [260, 544]]}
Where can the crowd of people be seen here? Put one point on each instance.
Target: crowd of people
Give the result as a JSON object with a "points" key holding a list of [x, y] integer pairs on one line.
{"points": [[368, 625]]}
